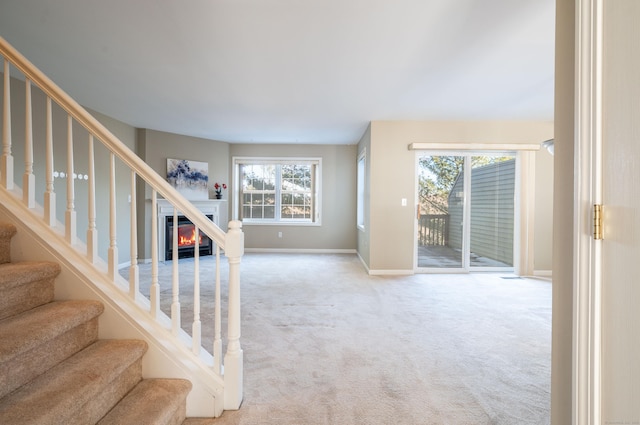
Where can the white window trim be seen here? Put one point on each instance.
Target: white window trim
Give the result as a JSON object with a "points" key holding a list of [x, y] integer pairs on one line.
{"points": [[237, 184], [360, 188]]}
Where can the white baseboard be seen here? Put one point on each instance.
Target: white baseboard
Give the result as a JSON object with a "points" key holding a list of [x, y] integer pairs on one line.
{"points": [[542, 273], [366, 267], [391, 272], [384, 272], [301, 251]]}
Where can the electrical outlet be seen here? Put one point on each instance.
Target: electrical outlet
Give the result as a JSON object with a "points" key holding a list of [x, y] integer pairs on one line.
{"points": [[279, 234]]}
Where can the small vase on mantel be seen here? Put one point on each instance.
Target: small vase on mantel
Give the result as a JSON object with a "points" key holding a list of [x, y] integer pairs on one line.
{"points": [[217, 187]]}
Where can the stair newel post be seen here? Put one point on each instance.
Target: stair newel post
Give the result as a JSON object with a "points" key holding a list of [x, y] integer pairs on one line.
{"points": [[70, 214], [6, 177], [217, 337], [92, 233], [154, 295], [233, 359], [175, 282], [113, 242], [28, 180], [134, 273], [49, 194], [196, 329]]}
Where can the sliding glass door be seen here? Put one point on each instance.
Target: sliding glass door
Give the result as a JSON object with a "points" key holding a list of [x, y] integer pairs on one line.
{"points": [[465, 212], [441, 211], [492, 209]]}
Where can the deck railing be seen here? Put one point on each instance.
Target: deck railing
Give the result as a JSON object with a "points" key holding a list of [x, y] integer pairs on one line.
{"points": [[230, 368], [433, 229]]}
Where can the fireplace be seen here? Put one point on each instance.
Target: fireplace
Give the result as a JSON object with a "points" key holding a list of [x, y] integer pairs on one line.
{"points": [[214, 209], [186, 239]]}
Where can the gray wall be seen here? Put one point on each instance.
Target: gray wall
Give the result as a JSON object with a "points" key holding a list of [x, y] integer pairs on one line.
{"points": [[123, 131], [338, 229], [154, 147], [562, 310], [543, 212]]}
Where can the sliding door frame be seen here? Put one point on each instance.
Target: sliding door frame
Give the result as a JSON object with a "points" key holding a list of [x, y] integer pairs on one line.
{"points": [[523, 242]]}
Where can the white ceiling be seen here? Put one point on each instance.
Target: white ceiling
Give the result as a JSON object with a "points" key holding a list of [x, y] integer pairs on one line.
{"points": [[287, 71]]}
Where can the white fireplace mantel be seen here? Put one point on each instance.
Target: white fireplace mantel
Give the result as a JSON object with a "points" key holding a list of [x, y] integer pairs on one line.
{"points": [[217, 208]]}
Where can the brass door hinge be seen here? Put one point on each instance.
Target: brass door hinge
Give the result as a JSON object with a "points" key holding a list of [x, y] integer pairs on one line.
{"points": [[597, 222]]}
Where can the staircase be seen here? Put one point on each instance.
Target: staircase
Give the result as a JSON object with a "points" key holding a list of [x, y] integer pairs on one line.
{"points": [[90, 232], [55, 370]]}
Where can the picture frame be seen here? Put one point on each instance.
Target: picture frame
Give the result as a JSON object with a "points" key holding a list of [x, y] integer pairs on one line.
{"points": [[190, 178]]}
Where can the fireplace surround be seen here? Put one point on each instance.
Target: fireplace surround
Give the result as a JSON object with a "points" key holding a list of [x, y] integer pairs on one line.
{"points": [[215, 209]]}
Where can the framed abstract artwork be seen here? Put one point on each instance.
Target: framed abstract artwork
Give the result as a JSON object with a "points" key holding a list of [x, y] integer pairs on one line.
{"points": [[190, 178]]}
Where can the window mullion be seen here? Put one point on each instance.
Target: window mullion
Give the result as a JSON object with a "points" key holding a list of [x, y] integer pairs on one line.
{"points": [[278, 213]]}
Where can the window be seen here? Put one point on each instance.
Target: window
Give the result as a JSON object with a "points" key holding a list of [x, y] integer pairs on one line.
{"points": [[277, 191], [360, 201]]}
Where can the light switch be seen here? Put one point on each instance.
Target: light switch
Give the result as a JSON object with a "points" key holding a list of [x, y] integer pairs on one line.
{"points": [[404, 202]]}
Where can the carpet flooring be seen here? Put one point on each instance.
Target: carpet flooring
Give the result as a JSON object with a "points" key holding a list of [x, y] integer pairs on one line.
{"points": [[324, 343]]}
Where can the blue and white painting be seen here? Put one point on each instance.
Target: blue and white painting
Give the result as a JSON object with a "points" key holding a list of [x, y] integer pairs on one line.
{"points": [[190, 178]]}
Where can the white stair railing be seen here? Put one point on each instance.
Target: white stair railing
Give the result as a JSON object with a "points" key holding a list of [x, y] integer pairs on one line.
{"points": [[229, 368]]}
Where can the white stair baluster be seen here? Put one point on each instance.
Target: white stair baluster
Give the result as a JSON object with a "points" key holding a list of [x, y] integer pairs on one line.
{"points": [[197, 326], [70, 214], [49, 194], [6, 167], [134, 272], [233, 359], [217, 314], [28, 180], [175, 284], [113, 242], [92, 232], [154, 295]]}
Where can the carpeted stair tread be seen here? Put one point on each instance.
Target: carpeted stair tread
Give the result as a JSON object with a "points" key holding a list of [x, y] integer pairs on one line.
{"points": [[27, 330], [63, 394], [39, 339], [7, 231], [16, 274], [26, 285], [151, 402], [53, 368]]}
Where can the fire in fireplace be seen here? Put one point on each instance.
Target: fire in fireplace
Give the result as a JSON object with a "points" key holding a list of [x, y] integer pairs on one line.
{"points": [[186, 239]]}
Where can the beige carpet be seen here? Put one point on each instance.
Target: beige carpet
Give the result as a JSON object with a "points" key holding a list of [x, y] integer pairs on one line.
{"points": [[324, 343]]}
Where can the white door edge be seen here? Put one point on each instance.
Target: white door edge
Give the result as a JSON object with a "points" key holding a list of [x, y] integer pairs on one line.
{"points": [[587, 303]]}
